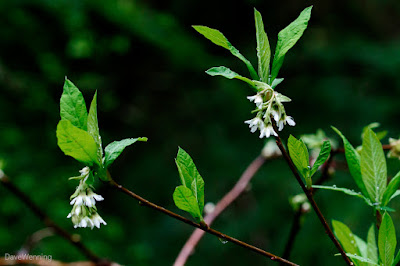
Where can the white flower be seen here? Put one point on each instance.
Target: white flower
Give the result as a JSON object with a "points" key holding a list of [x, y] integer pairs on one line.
{"points": [[97, 220], [255, 123], [276, 115], [257, 99], [84, 212], [85, 171], [290, 121], [267, 131]]}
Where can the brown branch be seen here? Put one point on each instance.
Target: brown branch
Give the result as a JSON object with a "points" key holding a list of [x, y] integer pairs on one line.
{"points": [[203, 227], [38, 260], [73, 239], [311, 200], [232, 195]]}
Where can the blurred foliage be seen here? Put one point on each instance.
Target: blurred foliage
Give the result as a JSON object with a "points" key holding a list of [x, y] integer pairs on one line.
{"points": [[148, 65]]}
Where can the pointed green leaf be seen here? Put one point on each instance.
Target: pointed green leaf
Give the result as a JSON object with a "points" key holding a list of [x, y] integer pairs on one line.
{"points": [[322, 157], [229, 74], [397, 193], [76, 143], [72, 106], [345, 191], [362, 246], [190, 177], [114, 149], [373, 166], [359, 259], [186, 201], [397, 259], [287, 38], [387, 240], [213, 35], [391, 189], [219, 39], [263, 50], [93, 126], [353, 161], [276, 82], [346, 238], [372, 250], [299, 154]]}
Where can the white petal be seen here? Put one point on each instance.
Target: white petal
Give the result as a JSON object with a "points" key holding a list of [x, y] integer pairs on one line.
{"points": [[290, 121], [69, 215]]}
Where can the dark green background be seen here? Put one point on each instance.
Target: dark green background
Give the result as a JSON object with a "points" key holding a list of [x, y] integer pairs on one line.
{"points": [[148, 65]]}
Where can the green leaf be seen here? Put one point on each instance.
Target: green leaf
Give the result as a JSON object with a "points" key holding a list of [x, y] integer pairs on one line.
{"points": [[287, 38], [76, 143], [391, 189], [373, 166], [346, 238], [114, 149], [276, 82], [345, 191], [282, 98], [299, 154], [361, 259], [219, 39], [387, 240], [353, 161], [397, 259], [322, 157], [93, 126], [72, 106], [229, 74], [372, 250], [263, 50], [397, 193], [362, 246], [186, 201], [380, 134], [190, 177]]}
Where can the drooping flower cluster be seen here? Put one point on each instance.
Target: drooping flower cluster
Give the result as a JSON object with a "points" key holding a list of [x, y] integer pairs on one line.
{"points": [[84, 211], [268, 104]]}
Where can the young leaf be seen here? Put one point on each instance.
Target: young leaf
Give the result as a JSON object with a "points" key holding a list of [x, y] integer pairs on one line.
{"points": [[76, 143], [360, 259], [72, 106], [373, 166], [387, 240], [397, 259], [114, 149], [362, 246], [190, 177], [276, 82], [353, 161], [345, 191], [299, 154], [219, 39], [346, 238], [372, 250], [229, 74], [287, 38], [322, 157], [263, 50], [186, 201], [93, 126], [391, 189]]}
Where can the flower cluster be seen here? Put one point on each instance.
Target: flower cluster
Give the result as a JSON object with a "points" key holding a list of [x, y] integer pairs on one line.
{"points": [[268, 104], [84, 212]]}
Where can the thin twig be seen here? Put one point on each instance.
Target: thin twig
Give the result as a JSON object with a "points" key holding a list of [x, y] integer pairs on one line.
{"points": [[204, 227], [232, 195], [312, 201], [73, 239]]}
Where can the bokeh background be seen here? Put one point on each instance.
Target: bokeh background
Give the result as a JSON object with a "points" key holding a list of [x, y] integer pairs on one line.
{"points": [[148, 64]]}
